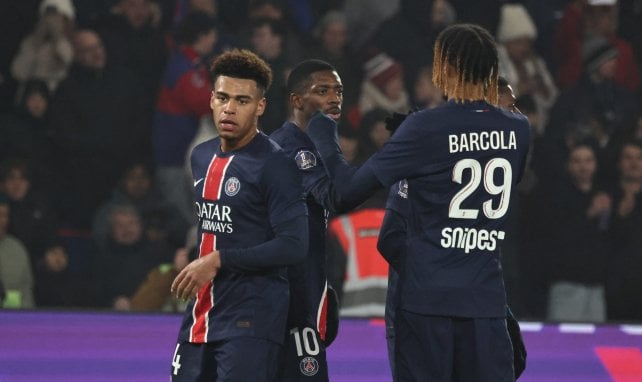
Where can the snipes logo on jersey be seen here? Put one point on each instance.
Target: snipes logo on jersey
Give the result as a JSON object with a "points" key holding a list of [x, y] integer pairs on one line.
{"points": [[470, 238], [214, 218], [305, 159], [309, 366]]}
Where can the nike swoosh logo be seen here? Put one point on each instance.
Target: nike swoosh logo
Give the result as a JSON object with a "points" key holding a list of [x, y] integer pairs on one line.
{"points": [[198, 181]]}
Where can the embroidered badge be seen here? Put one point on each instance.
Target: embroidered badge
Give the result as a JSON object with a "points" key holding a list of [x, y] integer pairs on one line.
{"points": [[309, 366], [232, 186], [403, 188], [305, 159]]}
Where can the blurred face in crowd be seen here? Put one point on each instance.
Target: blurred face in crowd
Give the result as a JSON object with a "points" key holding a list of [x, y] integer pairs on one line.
{"points": [[205, 43], [425, 91], [630, 164], [335, 37], [608, 68], [265, 42], [324, 93], [137, 182], [137, 12], [602, 19], [56, 259], [236, 106], [89, 50], [582, 164], [126, 227], [519, 49], [379, 134], [268, 11], [36, 104], [206, 6], [16, 185], [394, 87]]}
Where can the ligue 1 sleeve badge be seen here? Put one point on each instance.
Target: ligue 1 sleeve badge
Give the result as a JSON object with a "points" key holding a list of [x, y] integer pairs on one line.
{"points": [[232, 186], [305, 159], [309, 366]]}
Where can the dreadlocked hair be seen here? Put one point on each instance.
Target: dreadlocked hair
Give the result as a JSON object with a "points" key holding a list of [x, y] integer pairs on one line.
{"points": [[471, 51], [244, 64]]}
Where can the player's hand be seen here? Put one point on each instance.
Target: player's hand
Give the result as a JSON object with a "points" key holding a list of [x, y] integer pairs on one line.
{"points": [[321, 122], [195, 275], [394, 121]]}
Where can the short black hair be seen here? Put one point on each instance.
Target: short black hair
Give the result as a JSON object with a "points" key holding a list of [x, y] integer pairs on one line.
{"points": [[299, 77], [193, 25], [244, 64]]}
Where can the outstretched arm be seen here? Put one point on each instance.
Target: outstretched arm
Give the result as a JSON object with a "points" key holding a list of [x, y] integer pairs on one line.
{"points": [[353, 185]]}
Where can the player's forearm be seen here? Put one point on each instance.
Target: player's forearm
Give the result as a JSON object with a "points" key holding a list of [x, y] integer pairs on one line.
{"points": [[288, 247], [392, 238], [352, 185]]}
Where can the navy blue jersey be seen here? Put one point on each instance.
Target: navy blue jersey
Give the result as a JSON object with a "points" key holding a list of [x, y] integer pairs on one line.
{"points": [[241, 197], [461, 161], [308, 280]]}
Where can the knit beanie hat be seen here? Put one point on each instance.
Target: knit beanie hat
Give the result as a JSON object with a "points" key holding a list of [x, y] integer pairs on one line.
{"points": [[596, 51], [514, 23], [381, 68], [64, 7]]}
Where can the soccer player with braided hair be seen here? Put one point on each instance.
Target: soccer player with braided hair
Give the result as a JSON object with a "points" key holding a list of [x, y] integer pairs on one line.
{"points": [[461, 161]]}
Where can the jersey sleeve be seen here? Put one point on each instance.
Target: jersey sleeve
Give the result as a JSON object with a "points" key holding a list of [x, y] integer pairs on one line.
{"points": [[284, 191], [392, 237]]}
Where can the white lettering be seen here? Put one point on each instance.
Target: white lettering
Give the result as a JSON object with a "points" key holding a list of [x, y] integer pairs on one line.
{"points": [[482, 141], [470, 239]]}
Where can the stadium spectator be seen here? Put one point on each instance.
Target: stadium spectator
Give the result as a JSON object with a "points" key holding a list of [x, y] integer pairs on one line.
{"points": [[383, 86], [97, 118], [47, 53], [33, 220], [133, 40], [577, 254], [123, 264], [584, 20], [15, 268], [137, 187], [519, 63], [623, 287], [182, 102]]}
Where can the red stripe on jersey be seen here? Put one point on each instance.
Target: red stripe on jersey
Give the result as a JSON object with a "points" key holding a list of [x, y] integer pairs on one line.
{"points": [[322, 317], [212, 186]]}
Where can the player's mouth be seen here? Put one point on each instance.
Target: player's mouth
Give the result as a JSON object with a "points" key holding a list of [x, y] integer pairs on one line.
{"points": [[334, 113], [226, 124]]}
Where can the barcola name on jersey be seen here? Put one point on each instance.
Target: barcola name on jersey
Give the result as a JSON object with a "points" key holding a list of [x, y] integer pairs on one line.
{"points": [[485, 140], [470, 238], [214, 217]]}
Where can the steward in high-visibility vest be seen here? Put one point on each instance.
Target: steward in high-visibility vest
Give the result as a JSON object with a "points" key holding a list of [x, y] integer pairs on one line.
{"points": [[366, 271]]}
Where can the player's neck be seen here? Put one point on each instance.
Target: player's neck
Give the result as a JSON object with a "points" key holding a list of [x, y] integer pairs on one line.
{"points": [[231, 144], [299, 121]]}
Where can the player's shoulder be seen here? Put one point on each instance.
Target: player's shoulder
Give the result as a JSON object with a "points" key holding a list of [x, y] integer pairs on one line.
{"points": [[288, 136], [207, 147]]}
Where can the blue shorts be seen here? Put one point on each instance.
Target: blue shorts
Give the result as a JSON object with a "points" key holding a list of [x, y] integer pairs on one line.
{"points": [[303, 357], [233, 360], [435, 348]]}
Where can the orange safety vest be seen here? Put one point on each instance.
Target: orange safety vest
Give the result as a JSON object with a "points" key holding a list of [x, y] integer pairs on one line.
{"points": [[366, 277]]}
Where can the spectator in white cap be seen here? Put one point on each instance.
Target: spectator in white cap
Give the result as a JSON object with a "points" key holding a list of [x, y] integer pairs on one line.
{"points": [[587, 19], [46, 53], [519, 63]]}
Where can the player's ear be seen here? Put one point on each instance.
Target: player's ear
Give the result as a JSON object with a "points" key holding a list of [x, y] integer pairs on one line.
{"points": [[260, 109], [296, 101]]}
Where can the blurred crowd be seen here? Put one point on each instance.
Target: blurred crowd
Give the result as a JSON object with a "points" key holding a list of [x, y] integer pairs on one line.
{"points": [[101, 102]]}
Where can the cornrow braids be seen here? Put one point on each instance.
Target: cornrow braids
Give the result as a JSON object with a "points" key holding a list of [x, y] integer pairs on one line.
{"points": [[471, 52], [244, 64]]}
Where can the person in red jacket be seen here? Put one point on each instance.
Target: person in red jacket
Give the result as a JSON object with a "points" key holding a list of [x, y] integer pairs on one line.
{"points": [[585, 19]]}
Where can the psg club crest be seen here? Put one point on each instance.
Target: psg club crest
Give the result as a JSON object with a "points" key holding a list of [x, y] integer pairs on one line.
{"points": [[232, 186], [309, 366], [305, 160], [403, 188]]}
